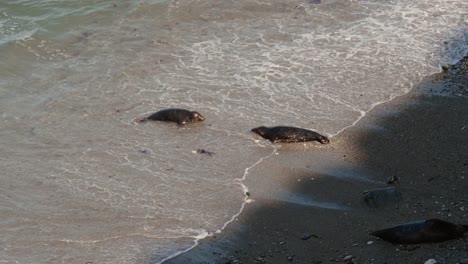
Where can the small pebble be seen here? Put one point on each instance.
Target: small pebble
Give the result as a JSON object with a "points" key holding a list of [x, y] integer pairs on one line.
{"points": [[431, 261], [202, 151], [307, 236], [370, 242], [348, 258], [392, 180]]}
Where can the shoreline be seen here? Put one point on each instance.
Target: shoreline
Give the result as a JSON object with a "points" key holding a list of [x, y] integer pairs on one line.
{"points": [[233, 218], [291, 198]]}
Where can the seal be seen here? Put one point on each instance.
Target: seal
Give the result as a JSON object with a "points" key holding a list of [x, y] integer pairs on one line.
{"points": [[289, 134], [180, 116], [427, 231]]}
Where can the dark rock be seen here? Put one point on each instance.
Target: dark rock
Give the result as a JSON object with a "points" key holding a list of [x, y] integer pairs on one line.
{"points": [[381, 197], [202, 151], [307, 236], [144, 151], [393, 180]]}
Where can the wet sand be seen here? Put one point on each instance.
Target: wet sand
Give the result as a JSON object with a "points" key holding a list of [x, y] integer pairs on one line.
{"points": [[308, 200]]}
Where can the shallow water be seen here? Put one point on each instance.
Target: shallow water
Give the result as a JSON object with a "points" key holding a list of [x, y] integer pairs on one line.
{"points": [[81, 182]]}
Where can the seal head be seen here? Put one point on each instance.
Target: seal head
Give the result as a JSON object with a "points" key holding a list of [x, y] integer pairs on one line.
{"points": [[323, 139], [196, 117], [260, 130]]}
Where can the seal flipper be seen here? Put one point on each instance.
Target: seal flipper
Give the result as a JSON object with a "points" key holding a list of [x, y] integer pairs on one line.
{"points": [[140, 120]]}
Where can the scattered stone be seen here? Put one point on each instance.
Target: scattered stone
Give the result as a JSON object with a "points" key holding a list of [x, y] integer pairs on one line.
{"points": [[307, 236], [431, 261], [144, 151], [409, 247], [348, 258], [202, 151], [393, 180], [290, 258], [381, 197], [260, 258], [370, 242]]}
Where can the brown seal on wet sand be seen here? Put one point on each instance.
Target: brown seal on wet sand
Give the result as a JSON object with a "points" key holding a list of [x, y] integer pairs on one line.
{"points": [[179, 116], [289, 134]]}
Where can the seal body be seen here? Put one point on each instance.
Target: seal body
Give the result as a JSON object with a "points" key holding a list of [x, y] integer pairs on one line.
{"points": [[180, 116], [289, 134], [428, 231]]}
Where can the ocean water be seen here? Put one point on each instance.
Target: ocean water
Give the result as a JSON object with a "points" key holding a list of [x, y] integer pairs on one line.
{"points": [[80, 182]]}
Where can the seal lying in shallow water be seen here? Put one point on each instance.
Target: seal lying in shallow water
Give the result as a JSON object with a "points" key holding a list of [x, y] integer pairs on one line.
{"points": [[289, 134], [180, 116], [428, 231]]}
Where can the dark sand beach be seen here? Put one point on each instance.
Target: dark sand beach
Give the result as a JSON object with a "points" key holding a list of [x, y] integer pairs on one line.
{"points": [[308, 200]]}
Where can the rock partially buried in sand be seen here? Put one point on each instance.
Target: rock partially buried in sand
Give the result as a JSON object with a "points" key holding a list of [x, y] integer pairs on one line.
{"points": [[427, 231], [381, 197], [202, 151], [180, 116], [431, 261], [392, 180], [287, 134]]}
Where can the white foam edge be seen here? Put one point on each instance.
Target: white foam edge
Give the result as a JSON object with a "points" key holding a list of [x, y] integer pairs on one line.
{"points": [[233, 218], [197, 238]]}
